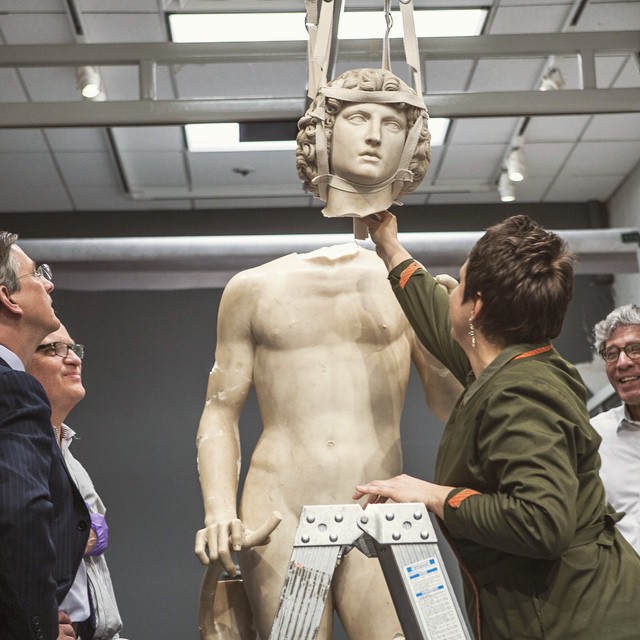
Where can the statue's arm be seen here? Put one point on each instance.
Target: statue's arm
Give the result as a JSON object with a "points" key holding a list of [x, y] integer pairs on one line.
{"points": [[218, 439], [441, 388]]}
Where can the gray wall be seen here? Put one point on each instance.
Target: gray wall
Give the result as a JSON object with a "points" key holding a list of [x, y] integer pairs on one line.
{"points": [[148, 357]]}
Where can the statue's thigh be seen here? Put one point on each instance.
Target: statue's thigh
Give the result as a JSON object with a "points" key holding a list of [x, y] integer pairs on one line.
{"points": [[263, 571], [362, 599]]}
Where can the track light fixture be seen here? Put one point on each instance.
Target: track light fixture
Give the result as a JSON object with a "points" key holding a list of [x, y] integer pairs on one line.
{"points": [[515, 165], [506, 188], [552, 80], [89, 82]]}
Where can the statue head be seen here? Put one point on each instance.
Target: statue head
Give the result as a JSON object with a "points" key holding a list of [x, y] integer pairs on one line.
{"points": [[362, 98]]}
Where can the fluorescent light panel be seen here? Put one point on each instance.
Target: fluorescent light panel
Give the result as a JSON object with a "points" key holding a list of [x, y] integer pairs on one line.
{"points": [[225, 136], [354, 25]]}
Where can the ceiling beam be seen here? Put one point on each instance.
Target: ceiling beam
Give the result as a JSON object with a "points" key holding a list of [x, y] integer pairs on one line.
{"points": [[123, 113], [573, 43], [148, 111]]}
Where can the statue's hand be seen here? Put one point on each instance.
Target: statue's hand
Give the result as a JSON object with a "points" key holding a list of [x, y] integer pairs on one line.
{"points": [[216, 541]]}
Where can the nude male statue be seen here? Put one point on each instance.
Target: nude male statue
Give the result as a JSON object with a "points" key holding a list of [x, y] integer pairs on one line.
{"points": [[329, 349], [324, 341]]}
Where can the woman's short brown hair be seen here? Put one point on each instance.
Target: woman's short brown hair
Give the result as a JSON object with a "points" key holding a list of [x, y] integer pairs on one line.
{"points": [[524, 275]]}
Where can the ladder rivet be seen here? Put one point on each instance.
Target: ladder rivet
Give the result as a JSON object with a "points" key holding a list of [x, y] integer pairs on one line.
{"points": [[424, 535], [417, 515], [389, 516], [364, 519], [333, 537], [396, 535], [305, 538], [311, 518], [339, 517]]}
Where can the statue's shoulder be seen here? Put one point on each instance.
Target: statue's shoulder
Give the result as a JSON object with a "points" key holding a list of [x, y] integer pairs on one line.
{"points": [[260, 275]]}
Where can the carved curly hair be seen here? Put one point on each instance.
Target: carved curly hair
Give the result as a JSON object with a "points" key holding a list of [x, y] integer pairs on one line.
{"points": [[364, 80]]}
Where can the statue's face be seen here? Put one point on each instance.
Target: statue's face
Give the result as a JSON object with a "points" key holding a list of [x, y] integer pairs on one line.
{"points": [[367, 142]]}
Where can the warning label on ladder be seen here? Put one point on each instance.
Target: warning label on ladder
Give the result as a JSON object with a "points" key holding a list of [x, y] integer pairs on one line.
{"points": [[426, 581]]}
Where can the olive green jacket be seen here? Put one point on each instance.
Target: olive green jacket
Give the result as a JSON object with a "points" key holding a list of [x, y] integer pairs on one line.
{"points": [[539, 552]]}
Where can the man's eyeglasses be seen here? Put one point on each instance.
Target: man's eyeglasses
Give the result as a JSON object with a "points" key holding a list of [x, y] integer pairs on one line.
{"points": [[62, 349], [43, 271], [611, 354]]}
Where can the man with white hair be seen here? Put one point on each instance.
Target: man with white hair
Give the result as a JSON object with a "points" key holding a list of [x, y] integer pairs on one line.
{"points": [[617, 340]]}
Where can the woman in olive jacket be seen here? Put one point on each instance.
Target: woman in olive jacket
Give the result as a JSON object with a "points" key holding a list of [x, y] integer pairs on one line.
{"points": [[516, 486]]}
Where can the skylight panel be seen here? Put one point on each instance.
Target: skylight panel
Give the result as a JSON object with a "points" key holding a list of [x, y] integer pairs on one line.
{"points": [[354, 25]]}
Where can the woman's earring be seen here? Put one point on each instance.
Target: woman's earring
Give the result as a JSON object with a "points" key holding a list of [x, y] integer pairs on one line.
{"points": [[472, 334]]}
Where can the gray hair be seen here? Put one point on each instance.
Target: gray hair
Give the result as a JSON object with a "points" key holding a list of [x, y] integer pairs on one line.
{"points": [[8, 262], [624, 316]]}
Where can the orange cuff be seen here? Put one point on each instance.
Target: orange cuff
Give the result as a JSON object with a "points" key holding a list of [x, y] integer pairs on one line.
{"points": [[460, 497], [407, 272]]}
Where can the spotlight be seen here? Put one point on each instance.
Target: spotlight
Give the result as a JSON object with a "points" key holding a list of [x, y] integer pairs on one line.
{"points": [[552, 80], [515, 165], [89, 82], [506, 188]]}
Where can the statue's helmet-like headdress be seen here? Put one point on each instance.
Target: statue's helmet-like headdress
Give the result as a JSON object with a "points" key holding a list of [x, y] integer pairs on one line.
{"points": [[315, 130]]}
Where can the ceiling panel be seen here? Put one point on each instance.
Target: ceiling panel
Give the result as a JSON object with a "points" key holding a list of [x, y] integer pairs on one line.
{"points": [[529, 18], [154, 169], [556, 128], [23, 197], [618, 126], [76, 139], [35, 28], [545, 160], [470, 162], [109, 199], [55, 84], [21, 140], [149, 138], [28, 170], [124, 27], [121, 6], [613, 158], [252, 79], [606, 16], [608, 69], [12, 87], [629, 76], [264, 168], [596, 188], [489, 130], [90, 169], [447, 76], [506, 75]]}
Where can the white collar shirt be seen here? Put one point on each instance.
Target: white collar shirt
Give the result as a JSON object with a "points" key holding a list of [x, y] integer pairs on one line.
{"points": [[11, 358], [620, 471]]}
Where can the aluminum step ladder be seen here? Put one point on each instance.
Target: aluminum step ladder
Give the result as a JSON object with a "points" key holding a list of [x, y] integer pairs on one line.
{"points": [[403, 539]]}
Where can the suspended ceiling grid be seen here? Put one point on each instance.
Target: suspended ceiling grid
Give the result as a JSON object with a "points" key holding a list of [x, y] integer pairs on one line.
{"points": [[571, 156]]}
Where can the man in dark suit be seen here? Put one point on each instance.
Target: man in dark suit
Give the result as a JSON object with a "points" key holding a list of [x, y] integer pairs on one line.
{"points": [[44, 523]]}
